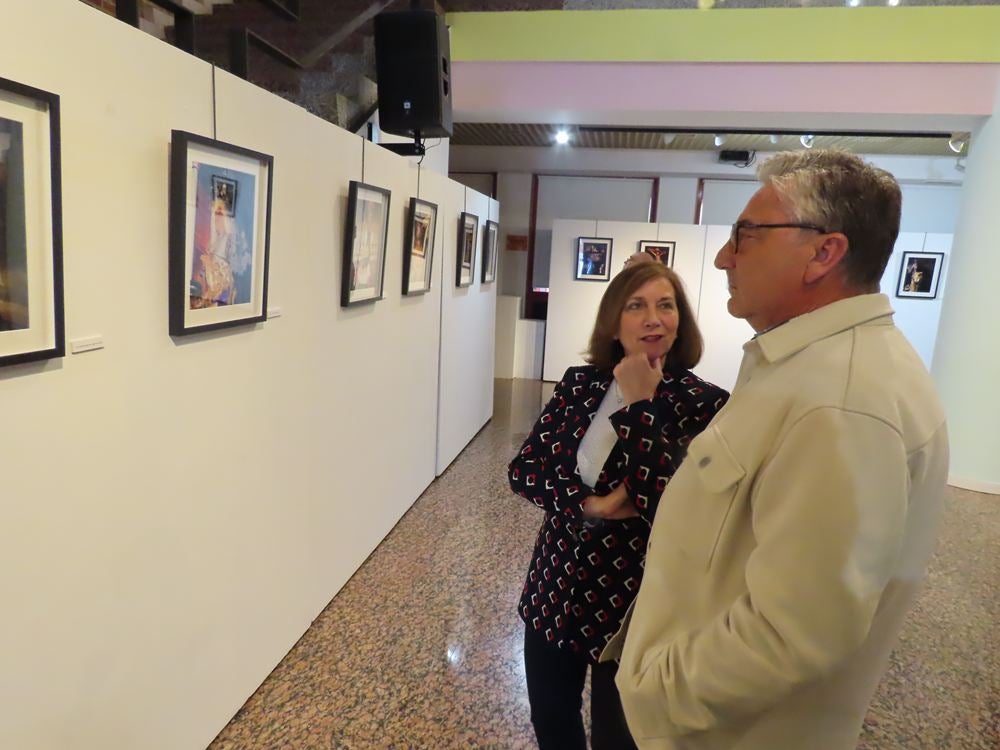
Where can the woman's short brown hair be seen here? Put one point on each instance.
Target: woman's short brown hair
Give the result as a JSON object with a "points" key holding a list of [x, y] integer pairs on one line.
{"points": [[605, 350]]}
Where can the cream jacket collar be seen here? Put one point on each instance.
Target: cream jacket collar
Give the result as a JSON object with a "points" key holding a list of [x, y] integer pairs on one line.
{"points": [[798, 333]]}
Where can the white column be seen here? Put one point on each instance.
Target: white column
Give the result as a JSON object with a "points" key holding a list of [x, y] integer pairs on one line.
{"points": [[967, 357]]}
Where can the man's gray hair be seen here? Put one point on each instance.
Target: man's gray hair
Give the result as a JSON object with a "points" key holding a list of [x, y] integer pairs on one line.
{"points": [[841, 193]]}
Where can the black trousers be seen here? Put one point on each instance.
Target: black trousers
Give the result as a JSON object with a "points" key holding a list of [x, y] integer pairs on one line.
{"points": [[555, 692]]}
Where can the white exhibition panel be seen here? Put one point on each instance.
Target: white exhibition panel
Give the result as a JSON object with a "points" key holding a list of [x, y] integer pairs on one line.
{"points": [[468, 323], [177, 511], [917, 317], [573, 304], [724, 335]]}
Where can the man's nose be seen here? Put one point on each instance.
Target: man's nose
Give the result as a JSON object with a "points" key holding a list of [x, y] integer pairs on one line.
{"points": [[724, 258]]}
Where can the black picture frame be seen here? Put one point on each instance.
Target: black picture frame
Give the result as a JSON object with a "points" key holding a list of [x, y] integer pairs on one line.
{"points": [[366, 233], [32, 311], [920, 275], [491, 235], [660, 250], [219, 245], [593, 258], [465, 260], [418, 250]]}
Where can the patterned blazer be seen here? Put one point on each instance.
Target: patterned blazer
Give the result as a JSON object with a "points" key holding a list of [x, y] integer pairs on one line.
{"points": [[585, 572]]}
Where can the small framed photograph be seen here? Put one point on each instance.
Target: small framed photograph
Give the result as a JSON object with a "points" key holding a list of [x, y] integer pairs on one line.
{"points": [[220, 226], [365, 235], [593, 258], [468, 227], [31, 271], [491, 235], [418, 253], [919, 274], [661, 251]]}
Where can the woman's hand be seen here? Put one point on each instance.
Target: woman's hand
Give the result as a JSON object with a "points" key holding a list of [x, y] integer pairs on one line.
{"points": [[616, 505], [638, 377]]}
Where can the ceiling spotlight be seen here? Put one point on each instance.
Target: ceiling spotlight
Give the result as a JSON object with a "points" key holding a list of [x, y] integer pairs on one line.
{"points": [[807, 140], [668, 138], [958, 142], [774, 139], [562, 137], [720, 139], [853, 3], [892, 3]]}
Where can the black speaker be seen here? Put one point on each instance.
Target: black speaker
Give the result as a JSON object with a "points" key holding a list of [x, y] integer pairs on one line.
{"points": [[413, 67]]}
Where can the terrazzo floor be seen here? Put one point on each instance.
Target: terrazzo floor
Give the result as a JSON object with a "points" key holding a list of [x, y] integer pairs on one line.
{"points": [[422, 647]]}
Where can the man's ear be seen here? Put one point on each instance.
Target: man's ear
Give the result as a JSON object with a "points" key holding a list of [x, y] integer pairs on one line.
{"points": [[830, 254]]}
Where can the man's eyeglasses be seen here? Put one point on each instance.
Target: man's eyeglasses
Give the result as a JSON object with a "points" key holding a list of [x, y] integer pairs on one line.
{"points": [[739, 226]]}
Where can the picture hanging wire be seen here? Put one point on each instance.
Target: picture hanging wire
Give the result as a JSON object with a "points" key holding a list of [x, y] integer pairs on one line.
{"points": [[215, 124], [362, 159], [465, 199], [418, 179]]}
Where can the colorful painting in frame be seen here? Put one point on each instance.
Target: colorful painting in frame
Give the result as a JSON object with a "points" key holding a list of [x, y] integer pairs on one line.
{"points": [[418, 252], [220, 219], [468, 227], [661, 251], [593, 259], [491, 235], [365, 236], [31, 275]]}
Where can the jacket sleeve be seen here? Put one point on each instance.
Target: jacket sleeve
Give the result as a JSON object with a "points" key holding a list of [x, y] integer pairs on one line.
{"points": [[543, 471], [829, 512], [654, 435]]}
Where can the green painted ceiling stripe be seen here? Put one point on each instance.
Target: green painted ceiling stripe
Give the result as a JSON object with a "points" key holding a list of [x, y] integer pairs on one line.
{"points": [[939, 34]]}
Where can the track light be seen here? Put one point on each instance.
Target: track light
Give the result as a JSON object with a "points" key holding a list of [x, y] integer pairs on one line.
{"points": [[562, 137], [807, 140], [668, 138], [958, 142], [774, 139], [720, 139]]}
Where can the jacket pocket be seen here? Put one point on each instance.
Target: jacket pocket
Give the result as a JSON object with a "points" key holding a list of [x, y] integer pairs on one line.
{"points": [[717, 479]]}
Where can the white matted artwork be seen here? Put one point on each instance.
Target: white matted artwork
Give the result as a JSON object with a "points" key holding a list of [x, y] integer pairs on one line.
{"points": [[31, 285], [365, 236], [220, 218]]}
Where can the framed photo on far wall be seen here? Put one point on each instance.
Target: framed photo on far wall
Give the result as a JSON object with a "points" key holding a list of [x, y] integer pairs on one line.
{"points": [[490, 238], [365, 234], [661, 251], [593, 259], [220, 225], [919, 274], [31, 271], [468, 227], [418, 253]]}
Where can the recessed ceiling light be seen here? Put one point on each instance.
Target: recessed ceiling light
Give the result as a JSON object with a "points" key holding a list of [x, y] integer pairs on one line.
{"points": [[668, 138], [807, 140], [774, 139], [720, 139], [892, 3], [853, 3], [562, 137], [958, 142]]}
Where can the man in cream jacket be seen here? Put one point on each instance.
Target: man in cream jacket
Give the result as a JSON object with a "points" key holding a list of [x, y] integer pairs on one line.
{"points": [[789, 545]]}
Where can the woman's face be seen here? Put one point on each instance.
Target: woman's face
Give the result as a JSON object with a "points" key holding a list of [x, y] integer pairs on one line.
{"points": [[649, 320]]}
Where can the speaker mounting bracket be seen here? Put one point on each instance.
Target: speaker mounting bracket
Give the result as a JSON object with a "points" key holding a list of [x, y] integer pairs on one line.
{"points": [[416, 148]]}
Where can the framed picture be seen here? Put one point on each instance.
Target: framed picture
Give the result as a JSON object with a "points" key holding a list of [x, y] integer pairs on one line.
{"points": [[661, 251], [468, 226], [365, 236], [491, 235], [418, 253], [919, 274], [593, 258], [31, 273], [220, 228]]}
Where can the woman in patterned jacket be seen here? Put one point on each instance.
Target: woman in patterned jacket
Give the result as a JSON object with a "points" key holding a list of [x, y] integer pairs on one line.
{"points": [[596, 462]]}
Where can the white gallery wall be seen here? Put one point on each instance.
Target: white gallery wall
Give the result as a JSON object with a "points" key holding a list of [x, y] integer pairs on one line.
{"points": [[175, 512], [573, 304]]}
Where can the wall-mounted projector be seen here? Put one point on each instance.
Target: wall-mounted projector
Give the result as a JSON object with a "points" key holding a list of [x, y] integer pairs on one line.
{"points": [[734, 157]]}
